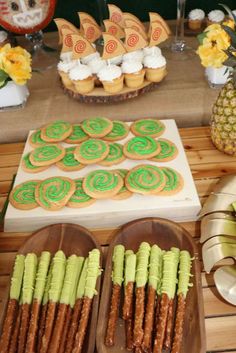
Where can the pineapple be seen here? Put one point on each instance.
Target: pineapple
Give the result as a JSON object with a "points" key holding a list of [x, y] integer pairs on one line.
{"points": [[223, 119]]}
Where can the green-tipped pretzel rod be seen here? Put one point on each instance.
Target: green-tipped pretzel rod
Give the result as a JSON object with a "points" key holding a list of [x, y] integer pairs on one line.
{"points": [[129, 280], [185, 265], [93, 271], [117, 279], [40, 283], [12, 306], [141, 279]]}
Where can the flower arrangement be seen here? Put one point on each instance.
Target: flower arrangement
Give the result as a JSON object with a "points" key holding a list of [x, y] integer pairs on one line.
{"points": [[15, 65]]}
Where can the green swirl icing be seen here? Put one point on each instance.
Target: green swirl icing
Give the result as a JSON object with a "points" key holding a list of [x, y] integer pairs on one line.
{"points": [[148, 127], [101, 180], [122, 173], [28, 164], [168, 149], [115, 152], [58, 272], [69, 159], [119, 130], [141, 145], [29, 278], [142, 264], [96, 125], [185, 264], [78, 134], [25, 192], [49, 193], [172, 179], [93, 149], [46, 153], [17, 276], [57, 129], [79, 195], [146, 178], [118, 264], [41, 275], [36, 138]]}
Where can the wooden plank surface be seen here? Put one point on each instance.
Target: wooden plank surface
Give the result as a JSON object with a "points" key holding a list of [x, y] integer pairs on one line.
{"points": [[207, 165]]}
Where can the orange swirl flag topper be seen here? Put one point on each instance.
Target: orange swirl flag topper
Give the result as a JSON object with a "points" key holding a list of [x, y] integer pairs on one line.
{"points": [[154, 16], [158, 33], [84, 17], [114, 29], [64, 24], [91, 31], [66, 40], [136, 25], [130, 16], [112, 46], [81, 46], [134, 40], [116, 15]]}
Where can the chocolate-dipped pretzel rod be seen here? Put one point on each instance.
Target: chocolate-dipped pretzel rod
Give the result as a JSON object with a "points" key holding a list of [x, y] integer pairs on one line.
{"points": [[170, 317], [58, 272], [77, 308], [27, 296], [43, 312], [154, 279], [93, 271], [141, 280], [117, 279], [129, 280], [13, 303], [37, 299], [167, 292], [16, 329], [70, 281], [185, 265]]}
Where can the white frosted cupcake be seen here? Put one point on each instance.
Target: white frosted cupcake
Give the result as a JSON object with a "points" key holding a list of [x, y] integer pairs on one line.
{"points": [[117, 60], [82, 78], [151, 51], [63, 68], [136, 55], [134, 73], [111, 78], [215, 16], [97, 65], [90, 57], [195, 18], [155, 67]]}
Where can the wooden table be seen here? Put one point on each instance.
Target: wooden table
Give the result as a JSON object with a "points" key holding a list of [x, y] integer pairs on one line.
{"points": [[207, 165]]}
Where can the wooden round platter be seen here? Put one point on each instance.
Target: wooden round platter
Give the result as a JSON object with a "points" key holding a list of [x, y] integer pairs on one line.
{"points": [[98, 95]]}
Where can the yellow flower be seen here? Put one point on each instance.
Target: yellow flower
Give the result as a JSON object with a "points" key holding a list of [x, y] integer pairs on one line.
{"points": [[16, 62]]}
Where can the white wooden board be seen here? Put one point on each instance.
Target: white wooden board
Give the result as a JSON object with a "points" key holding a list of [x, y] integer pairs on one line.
{"points": [[183, 206]]}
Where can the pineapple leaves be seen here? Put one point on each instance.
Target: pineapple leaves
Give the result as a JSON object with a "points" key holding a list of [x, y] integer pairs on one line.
{"points": [[230, 13], [201, 36], [231, 33]]}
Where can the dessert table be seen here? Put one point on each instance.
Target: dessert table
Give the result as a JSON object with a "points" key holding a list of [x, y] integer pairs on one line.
{"points": [[184, 95], [207, 165]]}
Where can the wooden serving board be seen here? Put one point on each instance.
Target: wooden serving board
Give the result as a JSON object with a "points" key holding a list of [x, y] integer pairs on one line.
{"points": [[71, 239], [165, 234]]}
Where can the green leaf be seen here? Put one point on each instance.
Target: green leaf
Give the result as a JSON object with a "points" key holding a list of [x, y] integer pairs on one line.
{"points": [[3, 75], [228, 10], [201, 36], [231, 33]]}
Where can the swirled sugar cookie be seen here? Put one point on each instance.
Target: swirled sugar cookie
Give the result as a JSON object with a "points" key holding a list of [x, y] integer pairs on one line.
{"points": [[97, 127], [115, 155], [147, 127], [91, 151], [145, 179], [119, 131], [168, 151], [68, 162], [28, 167], [174, 182], [53, 193], [123, 193], [56, 131], [35, 139], [23, 195], [77, 136], [102, 184], [141, 147], [47, 155], [80, 198]]}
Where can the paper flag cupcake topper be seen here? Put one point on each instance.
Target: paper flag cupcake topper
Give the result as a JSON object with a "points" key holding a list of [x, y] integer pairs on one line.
{"points": [[130, 16], [158, 34], [136, 25], [154, 16], [112, 46], [81, 46], [114, 29], [84, 17], [23, 16], [66, 40], [61, 23], [91, 31], [115, 14], [134, 40]]}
